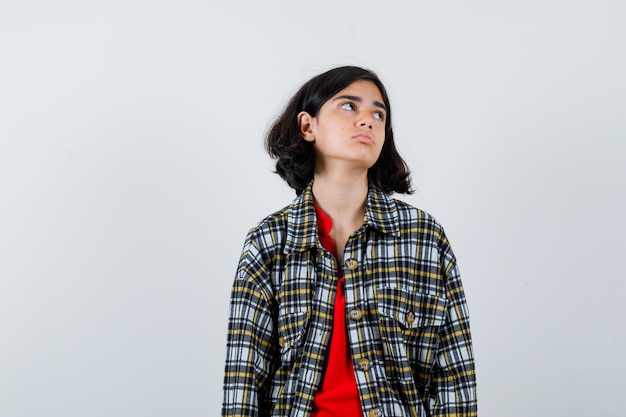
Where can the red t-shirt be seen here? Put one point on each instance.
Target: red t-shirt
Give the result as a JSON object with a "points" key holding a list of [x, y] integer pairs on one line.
{"points": [[338, 395]]}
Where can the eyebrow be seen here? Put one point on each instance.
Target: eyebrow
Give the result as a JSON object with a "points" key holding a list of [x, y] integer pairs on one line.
{"points": [[359, 100]]}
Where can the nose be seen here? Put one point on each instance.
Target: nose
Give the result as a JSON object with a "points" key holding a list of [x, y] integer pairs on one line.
{"points": [[366, 121]]}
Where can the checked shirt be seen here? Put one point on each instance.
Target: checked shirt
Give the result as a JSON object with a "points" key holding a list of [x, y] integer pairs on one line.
{"points": [[406, 315]]}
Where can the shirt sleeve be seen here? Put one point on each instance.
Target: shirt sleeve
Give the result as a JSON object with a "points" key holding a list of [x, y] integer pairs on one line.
{"points": [[250, 349], [452, 390]]}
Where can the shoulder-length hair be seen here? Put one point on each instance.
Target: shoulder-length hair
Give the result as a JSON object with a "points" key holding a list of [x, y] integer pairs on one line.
{"points": [[295, 157]]}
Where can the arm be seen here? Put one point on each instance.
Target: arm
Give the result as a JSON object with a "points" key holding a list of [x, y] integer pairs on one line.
{"points": [[250, 349], [452, 389]]}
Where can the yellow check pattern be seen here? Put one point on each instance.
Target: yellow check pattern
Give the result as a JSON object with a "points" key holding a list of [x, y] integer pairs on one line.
{"points": [[407, 317]]}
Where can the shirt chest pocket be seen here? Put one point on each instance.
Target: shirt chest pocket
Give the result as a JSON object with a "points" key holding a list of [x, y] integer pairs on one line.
{"points": [[294, 305], [411, 310], [409, 324], [292, 328]]}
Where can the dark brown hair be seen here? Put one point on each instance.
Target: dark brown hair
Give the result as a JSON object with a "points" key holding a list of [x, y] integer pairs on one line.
{"points": [[295, 157]]}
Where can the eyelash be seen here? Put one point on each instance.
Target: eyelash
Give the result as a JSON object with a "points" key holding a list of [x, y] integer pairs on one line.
{"points": [[353, 107]]}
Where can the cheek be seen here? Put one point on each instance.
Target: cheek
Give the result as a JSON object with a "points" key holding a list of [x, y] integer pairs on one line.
{"points": [[382, 145]]}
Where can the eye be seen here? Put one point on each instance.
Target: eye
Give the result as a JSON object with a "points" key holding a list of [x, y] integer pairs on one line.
{"points": [[379, 116], [348, 106]]}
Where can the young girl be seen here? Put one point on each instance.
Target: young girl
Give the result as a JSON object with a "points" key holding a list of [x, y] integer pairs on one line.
{"points": [[347, 302]]}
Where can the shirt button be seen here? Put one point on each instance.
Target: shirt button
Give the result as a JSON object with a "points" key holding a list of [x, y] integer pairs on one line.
{"points": [[410, 318], [281, 342], [375, 412], [352, 264], [356, 314], [363, 364]]}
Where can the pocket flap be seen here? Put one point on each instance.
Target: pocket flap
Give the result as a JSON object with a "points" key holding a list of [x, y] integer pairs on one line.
{"points": [[411, 309], [291, 328]]}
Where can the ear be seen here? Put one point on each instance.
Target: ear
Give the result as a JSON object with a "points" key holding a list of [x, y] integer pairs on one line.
{"points": [[305, 121]]}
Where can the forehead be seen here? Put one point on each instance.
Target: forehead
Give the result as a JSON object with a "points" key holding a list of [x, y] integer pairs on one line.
{"points": [[363, 89]]}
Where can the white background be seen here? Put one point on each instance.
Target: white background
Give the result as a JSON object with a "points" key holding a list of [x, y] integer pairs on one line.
{"points": [[132, 165]]}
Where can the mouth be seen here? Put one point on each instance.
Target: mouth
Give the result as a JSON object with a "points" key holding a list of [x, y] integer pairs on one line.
{"points": [[363, 138]]}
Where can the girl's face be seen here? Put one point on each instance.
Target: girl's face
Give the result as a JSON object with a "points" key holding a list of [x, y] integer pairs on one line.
{"points": [[349, 127]]}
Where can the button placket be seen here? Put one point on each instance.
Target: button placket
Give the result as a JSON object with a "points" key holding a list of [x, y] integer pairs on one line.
{"points": [[375, 412], [356, 314], [352, 264], [364, 364]]}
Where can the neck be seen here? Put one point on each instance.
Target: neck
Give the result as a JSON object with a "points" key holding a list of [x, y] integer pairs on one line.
{"points": [[342, 197]]}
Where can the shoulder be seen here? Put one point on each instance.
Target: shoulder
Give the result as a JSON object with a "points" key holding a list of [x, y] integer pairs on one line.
{"points": [[262, 248], [410, 216], [270, 231], [414, 221]]}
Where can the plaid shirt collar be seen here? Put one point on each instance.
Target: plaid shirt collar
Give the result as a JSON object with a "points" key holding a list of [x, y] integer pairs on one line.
{"points": [[381, 214]]}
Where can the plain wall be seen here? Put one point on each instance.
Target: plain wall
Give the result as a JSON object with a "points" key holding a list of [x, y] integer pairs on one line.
{"points": [[132, 166]]}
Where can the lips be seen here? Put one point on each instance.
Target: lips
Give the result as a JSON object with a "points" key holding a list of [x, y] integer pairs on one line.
{"points": [[363, 138]]}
